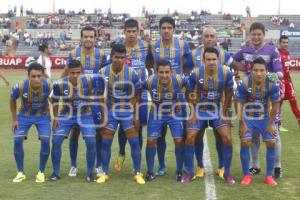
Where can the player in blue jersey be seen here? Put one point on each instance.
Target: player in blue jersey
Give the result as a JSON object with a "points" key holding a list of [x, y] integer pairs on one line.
{"points": [[258, 48], [254, 94], [209, 39], [34, 93], [178, 53], [136, 54], [123, 97], [76, 92], [92, 59], [211, 81], [164, 88]]}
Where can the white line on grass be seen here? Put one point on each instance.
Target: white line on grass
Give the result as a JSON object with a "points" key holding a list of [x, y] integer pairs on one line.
{"points": [[210, 188]]}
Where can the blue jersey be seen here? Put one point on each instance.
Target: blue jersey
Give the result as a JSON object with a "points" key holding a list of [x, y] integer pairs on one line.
{"points": [[224, 57], [121, 88], [91, 60], [257, 98], [168, 96], [178, 53], [75, 97], [210, 88], [33, 102]]}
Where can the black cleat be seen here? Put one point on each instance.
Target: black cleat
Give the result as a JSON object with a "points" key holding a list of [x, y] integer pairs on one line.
{"points": [[178, 177], [277, 173], [53, 177], [254, 171], [90, 178], [149, 177]]}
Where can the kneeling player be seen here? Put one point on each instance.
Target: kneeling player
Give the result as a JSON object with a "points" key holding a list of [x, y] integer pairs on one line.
{"points": [[253, 96], [34, 93]]}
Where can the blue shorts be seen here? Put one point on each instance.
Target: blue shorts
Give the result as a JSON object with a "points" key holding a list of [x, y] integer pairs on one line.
{"points": [[42, 124], [154, 128], [202, 124], [125, 119], [143, 110], [259, 125], [85, 124]]}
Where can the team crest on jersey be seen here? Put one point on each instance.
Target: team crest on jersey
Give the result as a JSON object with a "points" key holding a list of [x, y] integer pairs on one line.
{"points": [[25, 95], [198, 58], [66, 92]]}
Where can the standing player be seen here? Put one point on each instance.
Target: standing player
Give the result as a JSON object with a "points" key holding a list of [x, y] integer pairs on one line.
{"points": [[122, 103], [258, 48], [44, 58], [164, 88], [75, 92], [136, 53], [210, 81], [253, 96], [178, 53], [92, 59], [34, 110], [209, 40]]}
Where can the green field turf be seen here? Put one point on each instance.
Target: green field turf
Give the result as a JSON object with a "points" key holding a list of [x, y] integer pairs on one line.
{"points": [[121, 185]]}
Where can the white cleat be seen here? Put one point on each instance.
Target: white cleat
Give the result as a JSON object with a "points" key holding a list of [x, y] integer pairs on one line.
{"points": [[73, 172]]}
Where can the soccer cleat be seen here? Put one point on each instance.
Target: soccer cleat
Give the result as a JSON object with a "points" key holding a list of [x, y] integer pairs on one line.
{"points": [[119, 163], [73, 171], [99, 171], [229, 180], [90, 178], [254, 171], [187, 179], [270, 181], [19, 178], [277, 173], [53, 177], [179, 177], [138, 177], [200, 172], [246, 181], [40, 177], [161, 172], [282, 129], [103, 178], [220, 172], [149, 177]]}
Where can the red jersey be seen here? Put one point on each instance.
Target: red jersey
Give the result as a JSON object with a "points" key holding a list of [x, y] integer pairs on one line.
{"points": [[285, 58]]}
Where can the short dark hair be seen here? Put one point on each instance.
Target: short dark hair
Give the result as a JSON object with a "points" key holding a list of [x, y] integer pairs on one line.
{"points": [[257, 25], [210, 50], [87, 28], [259, 60], [131, 23], [117, 48], [43, 46], [163, 62], [283, 37], [74, 63], [35, 66], [167, 19]]}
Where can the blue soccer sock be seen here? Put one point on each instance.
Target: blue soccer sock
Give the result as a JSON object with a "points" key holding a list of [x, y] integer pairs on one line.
{"points": [[150, 155], [219, 147], [98, 152], [141, 137], [189, 158], [106, 153], [135, 153], [161, 151], [73, 147], [44, 153], [179, 154], [245, 160], [90, 143], [122, 141], [56, 153], [199, 147], [270, 157], [19, 153], [227, 159]]}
